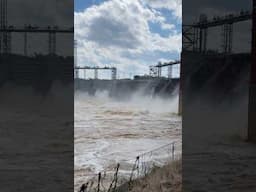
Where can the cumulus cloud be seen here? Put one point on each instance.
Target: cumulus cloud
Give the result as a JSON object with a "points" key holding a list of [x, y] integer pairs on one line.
{"points": [[172, 5], [108, 32]]}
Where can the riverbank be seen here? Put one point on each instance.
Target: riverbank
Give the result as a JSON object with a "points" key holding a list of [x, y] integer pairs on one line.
{"points": [[165, 179]]}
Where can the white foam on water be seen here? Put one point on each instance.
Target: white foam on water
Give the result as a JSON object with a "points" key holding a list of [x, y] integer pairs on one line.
{"points": [[108, 131]]}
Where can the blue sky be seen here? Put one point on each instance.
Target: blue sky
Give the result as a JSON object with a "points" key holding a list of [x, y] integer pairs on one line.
{"points": [[81, 5], [128, 34]]}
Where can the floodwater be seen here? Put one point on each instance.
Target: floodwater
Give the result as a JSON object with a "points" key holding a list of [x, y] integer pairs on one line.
{"points": [[108, 131]]}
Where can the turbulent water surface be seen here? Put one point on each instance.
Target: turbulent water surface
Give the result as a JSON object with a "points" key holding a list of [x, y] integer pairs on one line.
{"points": [[108, 131]]}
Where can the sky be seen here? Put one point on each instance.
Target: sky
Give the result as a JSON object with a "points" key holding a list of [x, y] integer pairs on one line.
{"points": [[128, 34]]}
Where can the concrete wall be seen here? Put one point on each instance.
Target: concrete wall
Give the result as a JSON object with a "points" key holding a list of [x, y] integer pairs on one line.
{"points": [[38, 71], [252, 99], [215, 95], [124, 89]]}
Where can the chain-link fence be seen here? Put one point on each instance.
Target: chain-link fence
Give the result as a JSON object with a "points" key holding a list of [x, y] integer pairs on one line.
{"points": [[121, 177]]}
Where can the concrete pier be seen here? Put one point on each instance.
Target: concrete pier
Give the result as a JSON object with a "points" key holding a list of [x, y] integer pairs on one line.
{"points": [[252, 114], [252, 92]]}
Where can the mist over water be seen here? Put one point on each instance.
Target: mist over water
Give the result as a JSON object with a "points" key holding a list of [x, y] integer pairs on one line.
{"points": [[109, 131], [36, 134]]}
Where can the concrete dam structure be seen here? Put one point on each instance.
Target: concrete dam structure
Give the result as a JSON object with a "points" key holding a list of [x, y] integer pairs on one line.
{"points": [[215, 77], [215, 94], [125, 88], [39, 71]]}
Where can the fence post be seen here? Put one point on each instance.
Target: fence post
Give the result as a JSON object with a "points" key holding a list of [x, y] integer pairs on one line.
{"points": [[114, 180], [86, 186], [116, 177], [99, 178], [133, 169], [138, 167], [173, 151]]}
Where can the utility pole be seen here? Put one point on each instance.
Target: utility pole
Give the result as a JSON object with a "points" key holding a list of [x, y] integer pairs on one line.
{"points": [[252, 91]]}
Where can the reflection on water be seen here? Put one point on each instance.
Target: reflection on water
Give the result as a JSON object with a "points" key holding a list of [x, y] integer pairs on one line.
{"points": [[109, 131]]}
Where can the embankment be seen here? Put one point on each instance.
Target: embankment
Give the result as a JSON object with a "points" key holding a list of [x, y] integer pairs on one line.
{"points": [[166, 178]]}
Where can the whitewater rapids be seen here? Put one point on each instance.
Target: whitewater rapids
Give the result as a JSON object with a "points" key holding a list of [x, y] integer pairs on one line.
{"points": [[108, 131]]}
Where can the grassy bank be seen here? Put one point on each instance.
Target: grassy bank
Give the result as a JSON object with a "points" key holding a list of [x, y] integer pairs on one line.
{"points": [[164, 179]]}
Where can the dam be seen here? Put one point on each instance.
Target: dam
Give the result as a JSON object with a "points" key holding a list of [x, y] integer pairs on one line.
{"points": [[125, 88], [38, 71], [218, 108], [214, 87]]}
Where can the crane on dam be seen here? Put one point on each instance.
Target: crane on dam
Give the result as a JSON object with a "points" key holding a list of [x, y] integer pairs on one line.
{"points": [[6, 32], [96, 69], [194, 36], [156, 70]]}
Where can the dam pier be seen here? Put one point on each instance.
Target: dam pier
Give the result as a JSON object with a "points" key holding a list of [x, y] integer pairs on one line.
{"points": [[153, 84]]}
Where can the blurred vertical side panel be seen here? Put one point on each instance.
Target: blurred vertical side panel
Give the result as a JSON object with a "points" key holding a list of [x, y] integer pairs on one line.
{"points": [[252, 92], [36, 95], [218, 95]]}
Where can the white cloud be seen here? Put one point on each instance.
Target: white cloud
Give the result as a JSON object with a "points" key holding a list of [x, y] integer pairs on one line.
{"points": [[173, 5], [168, 26], [116, 28]]}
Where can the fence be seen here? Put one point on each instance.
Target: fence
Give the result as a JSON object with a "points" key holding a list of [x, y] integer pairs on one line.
{"points": [[127, 171]]}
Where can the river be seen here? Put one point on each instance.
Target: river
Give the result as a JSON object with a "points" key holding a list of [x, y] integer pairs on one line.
{"points": [[108, 131]]}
